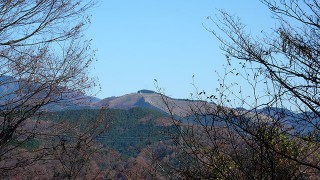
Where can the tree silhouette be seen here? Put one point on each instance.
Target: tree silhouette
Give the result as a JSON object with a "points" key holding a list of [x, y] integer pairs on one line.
{"points": [[44, 59], [273, 133]]}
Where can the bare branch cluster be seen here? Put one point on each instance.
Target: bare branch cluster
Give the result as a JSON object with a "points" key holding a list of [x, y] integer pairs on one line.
{"points": [[44, 59], [273, 134]]}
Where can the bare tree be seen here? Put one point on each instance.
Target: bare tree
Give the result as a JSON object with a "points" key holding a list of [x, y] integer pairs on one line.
{"points": [[44, 59], [74, 147], [67, 147], [274, 132]]}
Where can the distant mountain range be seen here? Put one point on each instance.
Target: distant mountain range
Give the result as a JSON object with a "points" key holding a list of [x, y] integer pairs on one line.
{"points": [[141, 99], [150, 99], [181, 107], [13, 91]]}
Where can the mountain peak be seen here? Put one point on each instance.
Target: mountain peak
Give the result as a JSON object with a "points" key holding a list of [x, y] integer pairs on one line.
{"points": [[145, 91]]}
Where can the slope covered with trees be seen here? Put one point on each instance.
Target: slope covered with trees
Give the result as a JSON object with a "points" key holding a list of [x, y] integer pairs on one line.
{"points": [[95, 143]]}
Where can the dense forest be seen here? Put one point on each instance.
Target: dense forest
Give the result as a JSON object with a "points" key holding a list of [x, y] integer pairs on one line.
{"points": [[128, 131]]}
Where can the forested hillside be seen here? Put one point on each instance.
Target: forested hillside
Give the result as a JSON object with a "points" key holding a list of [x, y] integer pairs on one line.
{"points": [[128, 130]]}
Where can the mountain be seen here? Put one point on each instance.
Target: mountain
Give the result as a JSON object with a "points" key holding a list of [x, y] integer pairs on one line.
{"points": [[153, 100], [14, 92], [75, 101]]}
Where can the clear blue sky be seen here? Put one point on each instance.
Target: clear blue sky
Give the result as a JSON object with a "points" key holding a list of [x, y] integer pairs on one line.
{"points": [[142, 40]]}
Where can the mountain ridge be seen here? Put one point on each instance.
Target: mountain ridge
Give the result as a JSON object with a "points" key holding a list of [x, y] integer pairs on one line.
{"points": [[153, 100], [143, 98]]}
